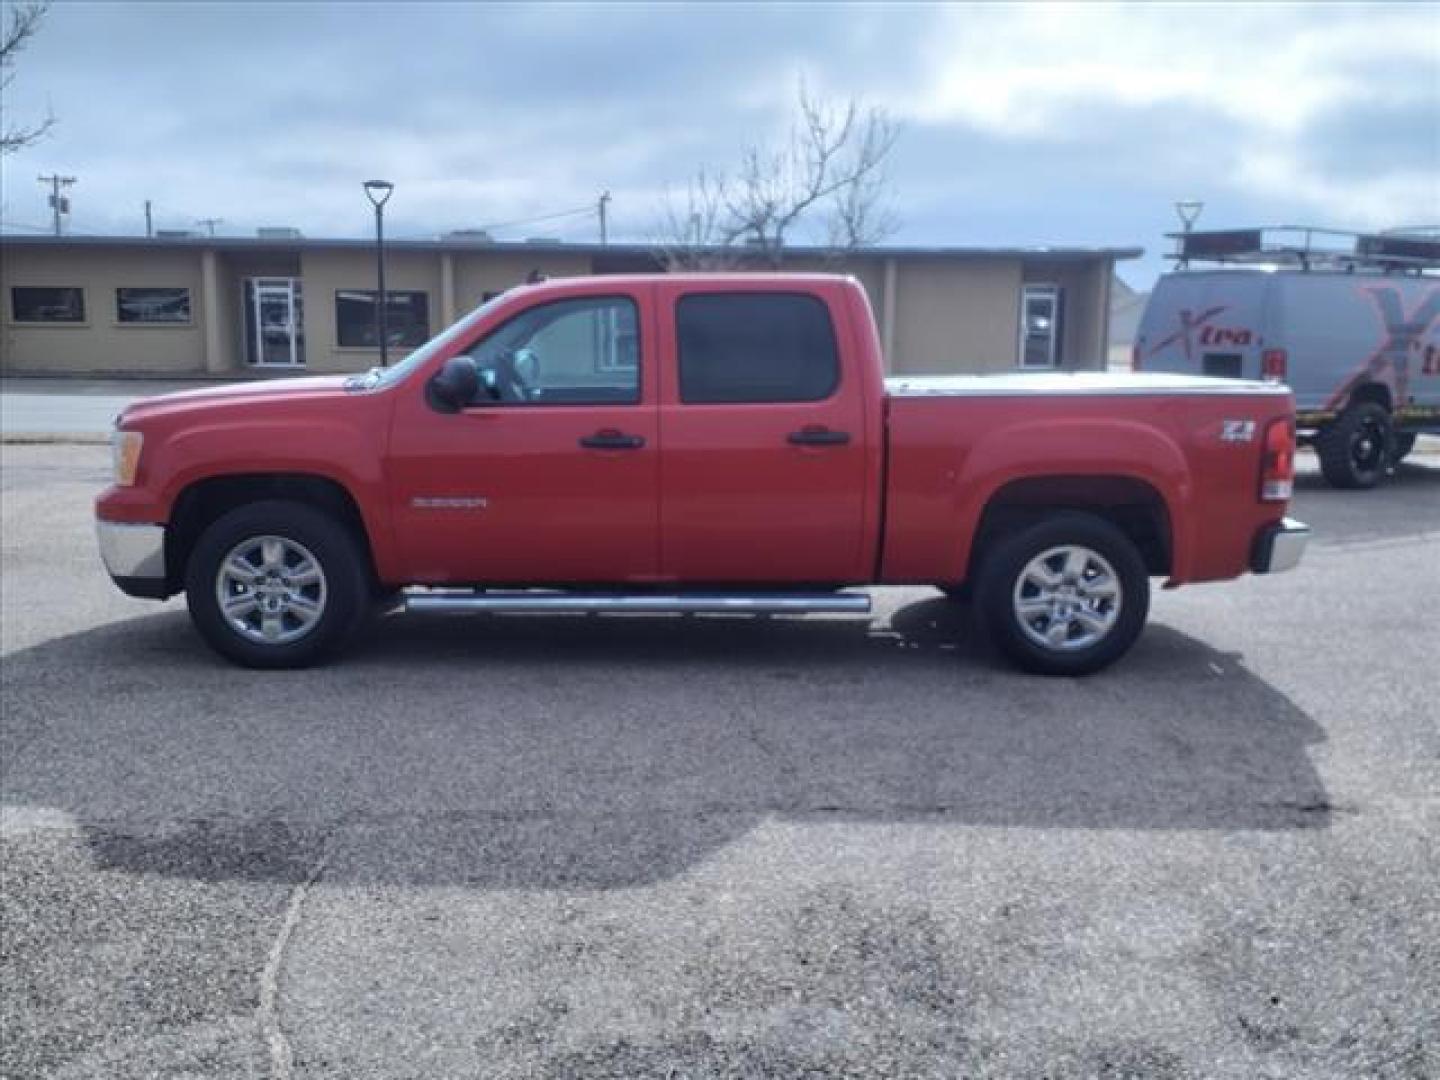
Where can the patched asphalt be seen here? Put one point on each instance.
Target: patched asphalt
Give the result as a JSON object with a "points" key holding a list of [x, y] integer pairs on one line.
{"points": [[696, 847]]}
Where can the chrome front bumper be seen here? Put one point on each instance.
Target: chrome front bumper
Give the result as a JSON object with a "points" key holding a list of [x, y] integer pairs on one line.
{"points": [[134, 555], [1280, 546]]}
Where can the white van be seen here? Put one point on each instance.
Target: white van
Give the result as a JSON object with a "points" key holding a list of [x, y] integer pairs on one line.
{"points": [[1355, 333]]}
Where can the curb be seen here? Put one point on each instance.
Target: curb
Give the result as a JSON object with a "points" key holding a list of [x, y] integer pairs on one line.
{"points": [[54, 438]]}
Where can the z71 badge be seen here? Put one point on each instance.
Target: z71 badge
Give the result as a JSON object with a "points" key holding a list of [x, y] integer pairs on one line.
{"points": [[1237, 430]]}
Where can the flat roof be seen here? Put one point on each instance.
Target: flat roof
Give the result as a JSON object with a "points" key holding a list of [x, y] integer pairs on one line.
{"points": [[532, 247]]}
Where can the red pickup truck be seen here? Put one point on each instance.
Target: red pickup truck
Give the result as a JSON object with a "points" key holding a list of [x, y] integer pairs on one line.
{"points": [[692, 443]]}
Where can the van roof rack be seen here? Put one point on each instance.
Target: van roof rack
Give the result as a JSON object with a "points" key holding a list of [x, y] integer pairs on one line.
{"points": [[1311, 248]]}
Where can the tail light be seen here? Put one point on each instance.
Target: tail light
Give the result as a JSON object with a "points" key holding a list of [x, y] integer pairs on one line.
{"points": [[1277, 463], [1273, 363]]}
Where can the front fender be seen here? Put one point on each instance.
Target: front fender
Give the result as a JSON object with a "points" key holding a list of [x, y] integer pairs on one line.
{"points": [[344, 453]]}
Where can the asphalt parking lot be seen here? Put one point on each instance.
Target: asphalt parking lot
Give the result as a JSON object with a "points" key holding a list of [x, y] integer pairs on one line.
{"points": [[659, 847]]}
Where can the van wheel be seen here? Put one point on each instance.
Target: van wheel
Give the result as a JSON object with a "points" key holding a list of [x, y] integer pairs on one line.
{"points": [[1355, 449], [276, 584], [1066, 596]]}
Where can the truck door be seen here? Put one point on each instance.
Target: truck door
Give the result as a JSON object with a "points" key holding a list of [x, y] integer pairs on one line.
{"points": [[552, 474], [763, 476]]}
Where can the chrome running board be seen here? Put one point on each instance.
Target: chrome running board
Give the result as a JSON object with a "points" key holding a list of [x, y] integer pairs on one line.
{"points": [[657, 603]]}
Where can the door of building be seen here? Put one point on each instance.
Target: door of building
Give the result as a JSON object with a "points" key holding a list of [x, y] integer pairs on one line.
{"points": [[274, 321], [1041, 309]]}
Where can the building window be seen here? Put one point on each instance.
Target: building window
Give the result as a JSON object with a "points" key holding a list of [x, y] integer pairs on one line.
{"points": [[407, 318], [1041, 317], [737, 347], [152, 305], [47, 304]]}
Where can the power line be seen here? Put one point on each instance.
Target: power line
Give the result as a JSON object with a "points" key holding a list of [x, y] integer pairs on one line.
{"points": [[542, 217]]}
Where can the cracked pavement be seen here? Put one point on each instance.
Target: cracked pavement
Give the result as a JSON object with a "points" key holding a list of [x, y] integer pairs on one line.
{"points": [[661, 847]]}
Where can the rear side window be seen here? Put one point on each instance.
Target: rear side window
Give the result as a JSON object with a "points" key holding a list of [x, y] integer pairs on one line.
{"points": [[738, 347]]}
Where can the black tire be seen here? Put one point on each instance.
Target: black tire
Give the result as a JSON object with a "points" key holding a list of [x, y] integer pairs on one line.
{"points": [[344, 595], [1355, 450], [999, 590], [1401, 443]]}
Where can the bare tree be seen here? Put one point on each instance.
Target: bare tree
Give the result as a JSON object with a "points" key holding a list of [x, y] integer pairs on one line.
{"points": [[24, 23], [693, 230], [830, 169]]}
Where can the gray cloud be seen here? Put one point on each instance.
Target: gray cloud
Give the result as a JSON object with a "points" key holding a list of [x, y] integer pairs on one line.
{"points": [[272, 114]]}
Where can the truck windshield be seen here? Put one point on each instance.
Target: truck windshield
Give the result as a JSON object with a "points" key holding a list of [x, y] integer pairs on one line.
{"points": [[378, 377]]}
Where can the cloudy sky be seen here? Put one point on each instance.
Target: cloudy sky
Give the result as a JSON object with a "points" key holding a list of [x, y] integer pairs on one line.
{"points": [[1021, 125]]}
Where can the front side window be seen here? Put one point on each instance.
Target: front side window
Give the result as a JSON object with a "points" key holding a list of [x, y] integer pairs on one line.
{"points": [[152, 305], [584, 351], [407, 318], [743, 347], [47, 304]]}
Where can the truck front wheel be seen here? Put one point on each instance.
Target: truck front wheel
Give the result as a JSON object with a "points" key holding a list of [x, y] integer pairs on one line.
{"points": [[1066, 596], [276, 584], [1355, 450]]}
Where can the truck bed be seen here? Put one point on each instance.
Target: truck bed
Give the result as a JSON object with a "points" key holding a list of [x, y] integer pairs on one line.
{"points": [[1010, 384]]}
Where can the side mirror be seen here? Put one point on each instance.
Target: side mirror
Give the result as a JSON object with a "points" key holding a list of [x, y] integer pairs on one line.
{"points": [[454, 386]]}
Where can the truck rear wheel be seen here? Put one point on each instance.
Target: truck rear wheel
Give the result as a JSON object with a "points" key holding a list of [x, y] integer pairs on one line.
{"points": [[276, 584], [1355, 450], [1066, 596]]}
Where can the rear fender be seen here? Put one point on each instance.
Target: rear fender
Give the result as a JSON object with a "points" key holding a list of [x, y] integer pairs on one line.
{"points": [[1100, 448]]}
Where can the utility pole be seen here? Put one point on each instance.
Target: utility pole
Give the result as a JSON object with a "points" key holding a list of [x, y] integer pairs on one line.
{"points": [[210, 223], [60, 204], [604, 232], [149, 224]]}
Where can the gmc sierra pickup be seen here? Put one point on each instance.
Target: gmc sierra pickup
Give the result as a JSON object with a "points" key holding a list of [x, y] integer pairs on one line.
{"points": [[692, 443]]}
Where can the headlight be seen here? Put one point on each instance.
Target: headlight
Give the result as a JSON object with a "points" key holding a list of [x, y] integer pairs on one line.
{"points": [[125, 450]]}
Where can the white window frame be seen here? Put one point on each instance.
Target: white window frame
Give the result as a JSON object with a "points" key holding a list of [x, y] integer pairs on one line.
{"points": [[1055, 292], [291, 289], [607, 358]]}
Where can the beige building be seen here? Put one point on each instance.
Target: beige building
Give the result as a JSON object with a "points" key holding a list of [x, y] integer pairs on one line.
{"points": [[283, 304]]}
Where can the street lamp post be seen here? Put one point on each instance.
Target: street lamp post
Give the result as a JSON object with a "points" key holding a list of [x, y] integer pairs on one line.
{"points": [[378, 191]]}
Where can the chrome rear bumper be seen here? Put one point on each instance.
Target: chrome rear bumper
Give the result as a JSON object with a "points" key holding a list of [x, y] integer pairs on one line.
{"points": [[1280, 546]]}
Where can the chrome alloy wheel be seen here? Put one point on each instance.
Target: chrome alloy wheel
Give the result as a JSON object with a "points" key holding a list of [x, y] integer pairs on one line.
{"points": [[270, 590], [1067, 598]]}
